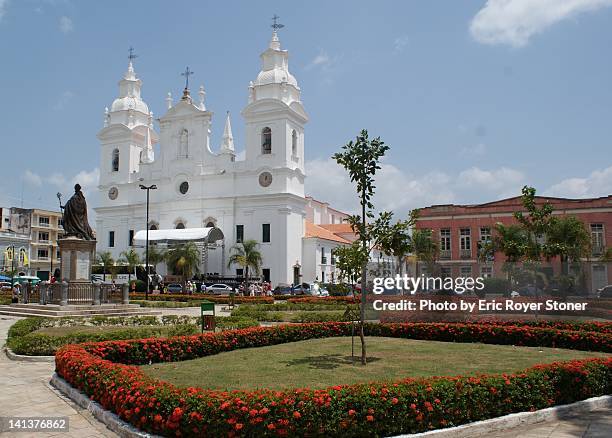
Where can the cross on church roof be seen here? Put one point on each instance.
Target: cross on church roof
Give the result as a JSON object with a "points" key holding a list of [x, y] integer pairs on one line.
{"points": [[276, 25], [187, 73], [132, 56]]}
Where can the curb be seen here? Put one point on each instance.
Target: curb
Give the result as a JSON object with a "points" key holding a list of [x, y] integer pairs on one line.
{"points": [[486, 427], [22, 358], [475, 429], [109, 419]]}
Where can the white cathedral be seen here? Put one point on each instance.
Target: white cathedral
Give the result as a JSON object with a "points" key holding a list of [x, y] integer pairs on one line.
{"points": [[261, 197]]}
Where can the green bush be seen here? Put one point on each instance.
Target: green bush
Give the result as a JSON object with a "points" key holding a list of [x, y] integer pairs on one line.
{"points": [[494, 286], [42, 344]]}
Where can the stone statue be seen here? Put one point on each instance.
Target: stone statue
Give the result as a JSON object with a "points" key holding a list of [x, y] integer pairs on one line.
{"points": [[75, 217]]}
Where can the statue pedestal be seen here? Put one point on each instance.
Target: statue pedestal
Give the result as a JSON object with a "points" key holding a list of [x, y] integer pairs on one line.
{"points": [[77, 258]]}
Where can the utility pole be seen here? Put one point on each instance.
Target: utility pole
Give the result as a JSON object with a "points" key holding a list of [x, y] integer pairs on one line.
{"points": [[147, 188]]}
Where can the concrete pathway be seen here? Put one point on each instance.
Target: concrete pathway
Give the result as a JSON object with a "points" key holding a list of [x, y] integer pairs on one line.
{"points": [[595, 424], [25, 392]]}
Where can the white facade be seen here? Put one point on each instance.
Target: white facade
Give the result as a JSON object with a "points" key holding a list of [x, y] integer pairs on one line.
{"points": [[198, 184]]}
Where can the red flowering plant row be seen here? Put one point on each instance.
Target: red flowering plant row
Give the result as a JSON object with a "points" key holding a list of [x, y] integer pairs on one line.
{"points": [[374, 409], [589, 326], [322, 300]]}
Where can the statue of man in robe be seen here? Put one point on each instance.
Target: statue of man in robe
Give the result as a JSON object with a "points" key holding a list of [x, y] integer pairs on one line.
{"points": [[75, 217]]}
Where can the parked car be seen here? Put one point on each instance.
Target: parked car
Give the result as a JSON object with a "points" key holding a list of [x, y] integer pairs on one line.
{"points": [[219, 289], [605, 292], [282, 289], [5, 286], [175, 288], [300, 289]]}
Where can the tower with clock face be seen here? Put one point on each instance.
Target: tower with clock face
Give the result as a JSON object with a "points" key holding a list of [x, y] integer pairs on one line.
{"points": [[275, 119]]}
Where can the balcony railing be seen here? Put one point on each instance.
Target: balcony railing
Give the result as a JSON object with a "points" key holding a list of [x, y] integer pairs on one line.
{"points": [[465, 253], [44, 225], [597, 250], [445, 254], [323, 260]]}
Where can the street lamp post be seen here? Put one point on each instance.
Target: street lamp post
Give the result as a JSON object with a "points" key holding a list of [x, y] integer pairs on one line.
{"points": [[147, 188]]}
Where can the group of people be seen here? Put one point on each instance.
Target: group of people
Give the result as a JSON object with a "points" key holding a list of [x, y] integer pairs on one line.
{"points": [[23, 291], [257, 289]]}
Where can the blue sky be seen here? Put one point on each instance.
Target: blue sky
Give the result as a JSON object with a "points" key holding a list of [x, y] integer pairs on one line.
{"points": [[475, 98]]}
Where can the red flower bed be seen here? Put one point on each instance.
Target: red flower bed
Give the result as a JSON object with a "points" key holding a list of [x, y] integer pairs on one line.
{"points": [[376, 409]]}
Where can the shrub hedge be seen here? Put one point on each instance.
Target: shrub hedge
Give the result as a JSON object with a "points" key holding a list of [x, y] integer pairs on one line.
{"points": [[105, 372], [23, 337], [219, 299]]}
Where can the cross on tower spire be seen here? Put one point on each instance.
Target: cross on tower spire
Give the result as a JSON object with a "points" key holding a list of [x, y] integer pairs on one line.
{"points": [[187, 73], [275, 24], [132, 56]]}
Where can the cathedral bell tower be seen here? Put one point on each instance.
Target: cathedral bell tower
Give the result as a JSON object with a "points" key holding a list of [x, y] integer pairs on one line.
{"points": [[127, 137], [275, 116]]}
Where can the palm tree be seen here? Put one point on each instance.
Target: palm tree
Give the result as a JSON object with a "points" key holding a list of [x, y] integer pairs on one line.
{"points": [[246, 255], [106, 260], [131, 259], [184, 259], [513, 241], [568, 238], [156, 256], [424, 247]]}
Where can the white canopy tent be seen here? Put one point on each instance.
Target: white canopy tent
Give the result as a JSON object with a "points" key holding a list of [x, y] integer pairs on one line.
{"points": [[205, 239]]}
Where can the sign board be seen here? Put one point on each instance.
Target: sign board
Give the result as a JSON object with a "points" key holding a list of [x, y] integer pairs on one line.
{"points": [[82, 265]]}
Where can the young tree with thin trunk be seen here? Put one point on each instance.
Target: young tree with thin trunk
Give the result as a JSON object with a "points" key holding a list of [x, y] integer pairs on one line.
{"points": [[361, 159], [131, 259]]}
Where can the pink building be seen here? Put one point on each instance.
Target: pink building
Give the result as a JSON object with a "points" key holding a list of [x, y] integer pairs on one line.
{"points": [[459, 228]]}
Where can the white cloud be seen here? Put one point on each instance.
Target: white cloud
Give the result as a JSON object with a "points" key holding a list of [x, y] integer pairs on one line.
{"points": [[400, 43], [401, 191], [63, 100], [3, 5], [597, 183], [32, 178], [503, 181], [514, 22], [57, 179], [323, 61], [65, 24]]}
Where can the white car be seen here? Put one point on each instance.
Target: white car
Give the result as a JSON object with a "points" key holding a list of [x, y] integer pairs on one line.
{"points": [[220, 289]]}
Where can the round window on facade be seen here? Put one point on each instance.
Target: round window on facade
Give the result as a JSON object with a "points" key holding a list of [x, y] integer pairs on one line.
{"points": [[184, 187]]}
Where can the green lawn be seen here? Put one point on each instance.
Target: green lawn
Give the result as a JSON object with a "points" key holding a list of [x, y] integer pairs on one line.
{"points": [[318, 363]]}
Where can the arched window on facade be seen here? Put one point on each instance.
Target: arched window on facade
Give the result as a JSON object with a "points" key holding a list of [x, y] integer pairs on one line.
{"points": [[266, 141], [153, 227], [210, 225], [294, 140], [115, 160], [184, 144], [180, 226]]}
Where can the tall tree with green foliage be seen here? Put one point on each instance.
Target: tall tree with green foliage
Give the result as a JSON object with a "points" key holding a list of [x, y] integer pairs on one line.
{"points": [[106, 260], [246, 255], [536, 223], [132, 259], [184, 259], [361, 159]]}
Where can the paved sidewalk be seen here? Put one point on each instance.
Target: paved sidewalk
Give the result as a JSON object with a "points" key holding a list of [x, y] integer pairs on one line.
{"points": [[595, 424], [25, 391]]}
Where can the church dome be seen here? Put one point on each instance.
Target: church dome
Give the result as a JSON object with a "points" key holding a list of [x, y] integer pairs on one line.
{"points": [[129, 102], [275, 76]]}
